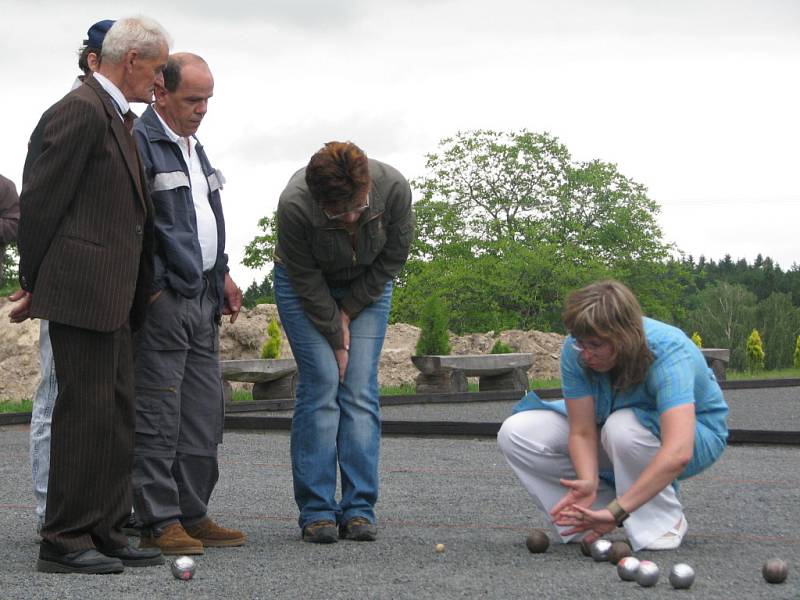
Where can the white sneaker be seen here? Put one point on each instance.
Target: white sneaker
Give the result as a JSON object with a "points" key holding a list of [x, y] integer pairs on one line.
{"points": [[672, 539]]}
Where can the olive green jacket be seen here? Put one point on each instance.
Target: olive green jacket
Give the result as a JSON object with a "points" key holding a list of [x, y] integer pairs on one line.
{"points": [[318, 254]]}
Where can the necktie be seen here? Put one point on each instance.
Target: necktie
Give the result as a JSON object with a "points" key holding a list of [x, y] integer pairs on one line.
{"points": [[128, 118]]}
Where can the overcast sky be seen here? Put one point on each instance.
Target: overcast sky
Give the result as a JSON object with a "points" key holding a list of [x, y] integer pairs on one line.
{"points": [[698, 100]]}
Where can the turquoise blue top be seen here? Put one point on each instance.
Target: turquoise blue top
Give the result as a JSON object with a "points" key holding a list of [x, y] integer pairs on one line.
{"points": [[679, 375]]}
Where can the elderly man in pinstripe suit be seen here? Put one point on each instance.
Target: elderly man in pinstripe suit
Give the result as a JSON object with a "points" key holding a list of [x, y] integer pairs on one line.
{"points": [[85, 243]]}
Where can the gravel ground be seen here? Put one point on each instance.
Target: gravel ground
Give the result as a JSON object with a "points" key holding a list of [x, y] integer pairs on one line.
{"points": [[458, 492]]}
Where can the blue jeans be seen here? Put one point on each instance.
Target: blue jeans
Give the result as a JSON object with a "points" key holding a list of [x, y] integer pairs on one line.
{"points": [[334, 421], [42, 414]]}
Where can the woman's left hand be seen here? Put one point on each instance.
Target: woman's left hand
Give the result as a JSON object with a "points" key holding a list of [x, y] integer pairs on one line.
{"points": [[596, 522]]}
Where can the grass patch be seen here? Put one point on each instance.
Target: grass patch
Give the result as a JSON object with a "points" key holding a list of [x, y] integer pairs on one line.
{"points": [[774, 374], [241, 396], [16, 406], [398, 390], [541, 384]]}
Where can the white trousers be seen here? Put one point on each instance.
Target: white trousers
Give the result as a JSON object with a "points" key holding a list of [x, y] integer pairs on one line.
{"points": [[535, 444]]}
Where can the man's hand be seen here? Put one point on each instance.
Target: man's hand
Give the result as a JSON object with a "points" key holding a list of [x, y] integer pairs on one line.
{"points": [[232, 298], [21, 311]]}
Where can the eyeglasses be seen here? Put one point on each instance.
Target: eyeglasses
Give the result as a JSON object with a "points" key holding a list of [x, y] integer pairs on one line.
{"points": [[359, 210], [592, 347]]}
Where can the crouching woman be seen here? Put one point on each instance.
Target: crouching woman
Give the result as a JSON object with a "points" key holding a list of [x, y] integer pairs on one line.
{"points": [[642, 410]]}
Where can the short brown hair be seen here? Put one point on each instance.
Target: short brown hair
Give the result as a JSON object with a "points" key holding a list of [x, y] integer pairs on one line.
{"points": [[83, 58], [338, 176], [609, 310]]}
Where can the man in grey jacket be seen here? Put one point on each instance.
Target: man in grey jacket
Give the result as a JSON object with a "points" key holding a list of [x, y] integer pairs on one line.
{"points": [[179, 398]]}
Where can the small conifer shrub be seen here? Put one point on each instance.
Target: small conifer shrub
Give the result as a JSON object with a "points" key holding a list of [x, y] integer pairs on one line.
{"points": [[272, 345], [755, 352], [698, 341], [500, 348], [433, 339]]}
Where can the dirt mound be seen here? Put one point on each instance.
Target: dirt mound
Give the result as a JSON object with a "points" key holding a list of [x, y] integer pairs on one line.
{"points": [[19, 345]]}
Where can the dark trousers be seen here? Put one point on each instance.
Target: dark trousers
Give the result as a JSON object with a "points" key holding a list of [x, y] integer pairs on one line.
{"points": [[91, 448], [179, 410]]}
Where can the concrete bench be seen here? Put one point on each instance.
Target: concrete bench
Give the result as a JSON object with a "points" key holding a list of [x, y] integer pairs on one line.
{"points": [[447, 374], [717, 359], [271, 379]]}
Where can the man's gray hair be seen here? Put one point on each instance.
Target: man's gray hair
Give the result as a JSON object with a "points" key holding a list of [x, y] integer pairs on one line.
{"points": [[134, 33]]}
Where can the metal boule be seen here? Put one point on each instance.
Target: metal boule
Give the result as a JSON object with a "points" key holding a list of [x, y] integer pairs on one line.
{"points": [[648, 573], [681, 576]]}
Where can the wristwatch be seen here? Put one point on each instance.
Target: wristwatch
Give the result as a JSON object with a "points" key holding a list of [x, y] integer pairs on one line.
{"points": [[619, 513]]}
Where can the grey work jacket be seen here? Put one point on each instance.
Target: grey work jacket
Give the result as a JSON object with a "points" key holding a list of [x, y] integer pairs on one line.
{"points": [[318, 252]]}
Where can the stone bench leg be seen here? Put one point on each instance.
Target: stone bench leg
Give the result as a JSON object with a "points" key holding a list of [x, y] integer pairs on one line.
{"points": [[227, 391], [277, 389], [443, 382], [517, 379], [718, 366]]}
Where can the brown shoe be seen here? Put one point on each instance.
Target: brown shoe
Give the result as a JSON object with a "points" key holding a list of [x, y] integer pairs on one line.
{"points": [[173, 539], [320, 532], [358, 529], [214, 536]]}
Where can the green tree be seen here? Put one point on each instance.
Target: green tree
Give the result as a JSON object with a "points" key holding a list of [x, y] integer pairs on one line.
{"points": [[259, 293], [8, 269], [725, 313], [779, 322], [433, 339], [796, 361], [272, 345], [755, 352], [485, 187], [259, 251]]}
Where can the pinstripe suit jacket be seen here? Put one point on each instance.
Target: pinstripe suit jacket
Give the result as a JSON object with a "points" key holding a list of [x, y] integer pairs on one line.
{"points": [[85, 231]]}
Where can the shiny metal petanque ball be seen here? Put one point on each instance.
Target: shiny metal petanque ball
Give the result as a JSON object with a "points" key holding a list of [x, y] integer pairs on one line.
{"points": [[600, 550], [648, 573], [681, 576], [775, 570], [183, 568], [627, 568]]}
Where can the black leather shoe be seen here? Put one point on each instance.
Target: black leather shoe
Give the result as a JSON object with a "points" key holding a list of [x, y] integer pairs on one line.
{"points": [[137, 557], [81, 561]]}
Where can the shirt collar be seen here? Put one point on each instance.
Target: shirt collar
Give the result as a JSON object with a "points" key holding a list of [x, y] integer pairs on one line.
{"points": [[113, 91]]}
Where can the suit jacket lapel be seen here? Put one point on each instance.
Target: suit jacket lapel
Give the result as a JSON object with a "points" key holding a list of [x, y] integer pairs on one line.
{"points": [[124, 139]]}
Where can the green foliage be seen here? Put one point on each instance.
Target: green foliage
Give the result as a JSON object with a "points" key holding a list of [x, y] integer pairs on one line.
{"points": [[500, 348], [779, 323], [512, 286], [259, 293], [796, 357], [433, 339], [725, 313], [698, 341], [486, 187], [272, 345], [259, 251], [755, 352], [8, 269]]}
